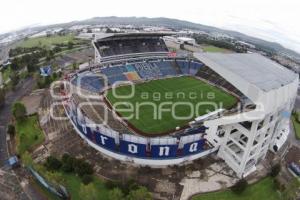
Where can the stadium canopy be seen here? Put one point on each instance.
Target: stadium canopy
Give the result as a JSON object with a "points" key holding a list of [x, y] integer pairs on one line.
{"points": [[253, 68], [126, 36]]}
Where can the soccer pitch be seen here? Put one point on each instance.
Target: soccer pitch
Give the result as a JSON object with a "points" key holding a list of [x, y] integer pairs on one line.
{"points": [[159, 106]]}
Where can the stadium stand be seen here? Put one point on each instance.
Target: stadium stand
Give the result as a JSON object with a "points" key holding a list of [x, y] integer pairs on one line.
{"points": [[97, 112], [166, 68], [189, 67], [208, 74], [139, 70], [132, 76], [184, 66], [194, 67], [130, 68], [114, 74], [89, 82], [148, 70], [121, 46]]}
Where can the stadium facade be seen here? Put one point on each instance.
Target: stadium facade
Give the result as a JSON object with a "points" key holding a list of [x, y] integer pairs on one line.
{"points": [[241, 135]]}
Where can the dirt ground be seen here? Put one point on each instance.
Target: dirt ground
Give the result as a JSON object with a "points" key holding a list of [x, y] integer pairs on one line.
{"points": [[32, 101], [293, 155]]}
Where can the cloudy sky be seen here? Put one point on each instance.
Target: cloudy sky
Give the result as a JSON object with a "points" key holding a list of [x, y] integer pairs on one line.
{"points": [[273, 20]]}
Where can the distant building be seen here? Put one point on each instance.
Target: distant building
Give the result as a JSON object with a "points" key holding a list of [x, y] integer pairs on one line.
{"points": [[180, 40]]}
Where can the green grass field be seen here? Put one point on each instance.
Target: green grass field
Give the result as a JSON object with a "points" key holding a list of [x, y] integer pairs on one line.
{"points": [[46, 41], [29, 134], [263, 190], [296, 127], [211, 48], [173, 90], [6, 73], [72, 183]]}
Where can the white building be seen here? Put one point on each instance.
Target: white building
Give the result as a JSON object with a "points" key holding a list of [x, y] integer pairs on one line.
{"points": [[186, 40], [244, 138]]}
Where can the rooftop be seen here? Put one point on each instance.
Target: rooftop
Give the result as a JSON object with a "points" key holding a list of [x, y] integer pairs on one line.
{"points": [[253, 68], [118, 36]]}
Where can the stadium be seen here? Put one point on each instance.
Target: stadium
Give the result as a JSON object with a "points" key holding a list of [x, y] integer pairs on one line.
{"points": [[144, 104]]}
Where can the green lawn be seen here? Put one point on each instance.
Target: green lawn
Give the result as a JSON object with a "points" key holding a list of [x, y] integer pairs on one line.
{"points": [[263, 190], [73, 183], [152, 120], [6, 73], [296, 127], [46, 41], [29, 134], [211, 48]]}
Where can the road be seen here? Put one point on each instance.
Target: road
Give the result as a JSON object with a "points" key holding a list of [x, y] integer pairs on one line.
{"points": [[23, 88]]}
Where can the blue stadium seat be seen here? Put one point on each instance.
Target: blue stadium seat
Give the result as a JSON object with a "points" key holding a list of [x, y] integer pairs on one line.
{"points": [[148, 70]]}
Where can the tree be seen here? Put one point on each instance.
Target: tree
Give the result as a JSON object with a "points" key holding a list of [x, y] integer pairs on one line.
{"points": [[81, 167], [70, 45], [67, 163], [240, 186], [88, 192], [74, 66], [14, 77], [115, 194], [57, 49], [19, 110], [87, 179], [53, 163], [2, 97], [292, 190], [139, 194], [275, 170], [11, 130], [15, 64]]}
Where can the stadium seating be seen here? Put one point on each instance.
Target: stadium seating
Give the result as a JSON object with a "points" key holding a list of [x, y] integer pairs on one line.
{"points": [[211, 76], [184, 66], [166, 68], [141, 70], [118, 47], [89, 82], [130, 68], [194, 67], [115, 73], [148, 70], [189, 67]]}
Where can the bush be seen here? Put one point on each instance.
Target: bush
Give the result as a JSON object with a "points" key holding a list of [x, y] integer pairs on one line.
{"points": [[11, 130], [275, 170], [298, 117], [81, 167], [112, 184], [139, 194], [53, 163], [240, 186], [87, 179], [2, 97], [67, 163], [116, 194], [19, 110]]}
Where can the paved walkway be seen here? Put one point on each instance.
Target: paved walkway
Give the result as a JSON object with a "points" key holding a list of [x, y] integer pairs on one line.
{"points": [[216, 177]]}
